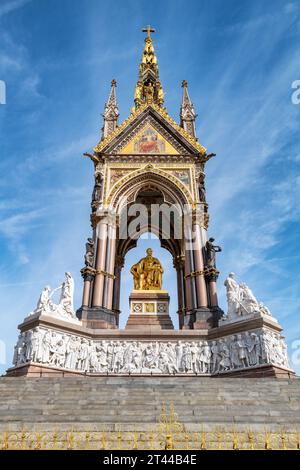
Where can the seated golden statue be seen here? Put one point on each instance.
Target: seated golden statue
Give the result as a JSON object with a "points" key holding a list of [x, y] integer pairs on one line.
{"points": [[147, 273]]}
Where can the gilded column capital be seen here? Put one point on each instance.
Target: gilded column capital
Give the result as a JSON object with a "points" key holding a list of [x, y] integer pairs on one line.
{"points": [[94, 218], [211, 274], [178, 261], [88, 273], [119, 261]]}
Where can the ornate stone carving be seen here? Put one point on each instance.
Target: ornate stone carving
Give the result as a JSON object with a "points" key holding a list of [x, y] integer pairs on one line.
{"points": [[72, 352], [162, 308], [138, 307], [201, 188], [64, 309], [149, 121], [148, 173], [89, 252], [104, 144], [211, 251], [241, 301]]}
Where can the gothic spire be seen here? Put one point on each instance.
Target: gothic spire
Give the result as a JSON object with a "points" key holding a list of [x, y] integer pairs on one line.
{"points": [[148, 88], [111, 112], [187, 112]]}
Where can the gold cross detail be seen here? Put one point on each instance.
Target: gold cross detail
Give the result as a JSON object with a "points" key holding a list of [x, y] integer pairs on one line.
{"points": [[148, 29]]}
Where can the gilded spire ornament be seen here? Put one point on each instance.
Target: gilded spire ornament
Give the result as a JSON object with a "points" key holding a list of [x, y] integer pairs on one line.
{"points": [[111, 112], [187, 111], [148, 88]]}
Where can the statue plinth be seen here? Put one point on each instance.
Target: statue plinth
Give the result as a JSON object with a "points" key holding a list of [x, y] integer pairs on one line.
{"points": [[149, 308]]}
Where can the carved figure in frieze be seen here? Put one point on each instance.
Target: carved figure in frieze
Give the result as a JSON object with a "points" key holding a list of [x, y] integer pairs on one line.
{"points": [[225, 355], [163, 360], [102, 356], [252, 345], [110, 355], [36, 344], [118, 357], [204, 357], [186, 361], [83, 357], [178, 352], [242, 350], [215, 357], [18, 349], [59, 354], [234, 353], [173, 365], [194, 358]]}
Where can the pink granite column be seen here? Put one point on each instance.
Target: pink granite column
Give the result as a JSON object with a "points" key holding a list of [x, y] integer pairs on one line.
{"points": [[199, 267], [179, 265], [190, 267], [188, 281], [119, 263], [213, 293], [100, 264], [86, 292], [110, 265]]}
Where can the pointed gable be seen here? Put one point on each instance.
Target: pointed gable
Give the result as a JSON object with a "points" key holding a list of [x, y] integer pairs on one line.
{"points": [[171, 136]]}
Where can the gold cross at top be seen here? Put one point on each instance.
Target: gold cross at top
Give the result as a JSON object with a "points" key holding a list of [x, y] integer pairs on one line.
{"points": [[148, 29]]}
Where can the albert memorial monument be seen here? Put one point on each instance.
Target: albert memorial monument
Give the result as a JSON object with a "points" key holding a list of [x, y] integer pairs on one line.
{"points": [[151, 162]]}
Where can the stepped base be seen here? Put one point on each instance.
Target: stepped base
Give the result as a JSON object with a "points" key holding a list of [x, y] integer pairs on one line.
{"points": [[135, 403]]}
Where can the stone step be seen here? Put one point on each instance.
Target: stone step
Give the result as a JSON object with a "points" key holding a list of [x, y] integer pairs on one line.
{"points": [[136, 402]]}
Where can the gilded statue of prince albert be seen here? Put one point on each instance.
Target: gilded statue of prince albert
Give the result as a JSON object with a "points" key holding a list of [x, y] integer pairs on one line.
{"points": [[147, 273]]}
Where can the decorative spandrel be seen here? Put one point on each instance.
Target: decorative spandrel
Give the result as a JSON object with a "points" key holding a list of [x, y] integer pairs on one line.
{"points": [[147, 273], [148, 141]]}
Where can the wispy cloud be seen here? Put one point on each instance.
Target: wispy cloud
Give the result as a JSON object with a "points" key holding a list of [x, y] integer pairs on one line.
{"points": [[12, 5], [245, 115], [14, 229]]}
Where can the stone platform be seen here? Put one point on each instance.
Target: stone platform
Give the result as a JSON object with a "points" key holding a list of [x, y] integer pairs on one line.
{"points": [[149, 308], [135, 403], [249, 348]]}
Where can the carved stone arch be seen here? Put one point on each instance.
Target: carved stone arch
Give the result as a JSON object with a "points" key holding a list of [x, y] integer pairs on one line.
{"points": [[168, 184], [128, 194], [173, 246]]}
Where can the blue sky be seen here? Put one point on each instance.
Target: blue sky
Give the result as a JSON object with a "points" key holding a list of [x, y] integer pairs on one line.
{"points": [[240, 58]]}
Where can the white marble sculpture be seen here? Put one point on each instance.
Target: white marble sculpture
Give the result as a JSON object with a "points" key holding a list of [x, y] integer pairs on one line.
{"points": [[65, 308], [241, 301], [68, 351]]}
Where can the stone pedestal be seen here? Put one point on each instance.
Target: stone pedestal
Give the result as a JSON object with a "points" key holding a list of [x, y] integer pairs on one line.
{"points": [[149, 308], [50, 346], [98, 317]]}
